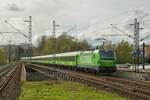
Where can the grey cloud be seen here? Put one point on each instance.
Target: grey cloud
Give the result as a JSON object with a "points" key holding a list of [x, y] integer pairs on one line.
{"points": [[14, 7], [89, 15]]}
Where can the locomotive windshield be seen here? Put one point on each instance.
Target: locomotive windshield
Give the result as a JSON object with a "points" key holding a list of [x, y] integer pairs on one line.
{"points": [[107, 54]]}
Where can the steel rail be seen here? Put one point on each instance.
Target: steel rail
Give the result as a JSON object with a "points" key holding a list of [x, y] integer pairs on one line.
{"points": [[104, 81], [6, 77]]}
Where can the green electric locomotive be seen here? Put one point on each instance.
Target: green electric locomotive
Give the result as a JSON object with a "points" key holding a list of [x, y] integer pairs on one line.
{"points": [[96, 60]]}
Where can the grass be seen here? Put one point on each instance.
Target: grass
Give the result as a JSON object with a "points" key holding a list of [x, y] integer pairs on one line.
{"points": [[53, 90]]}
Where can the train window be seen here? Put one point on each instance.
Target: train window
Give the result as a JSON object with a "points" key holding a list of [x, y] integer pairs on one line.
{"points": [[107, 54], [60, 58], [69, 58]]}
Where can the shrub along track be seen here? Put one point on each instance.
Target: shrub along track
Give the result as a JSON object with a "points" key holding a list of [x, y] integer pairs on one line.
{"points": [[9, 83], [136, 90]]}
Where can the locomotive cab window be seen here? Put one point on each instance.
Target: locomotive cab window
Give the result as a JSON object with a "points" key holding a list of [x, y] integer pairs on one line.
{"points": [[106, 54]]}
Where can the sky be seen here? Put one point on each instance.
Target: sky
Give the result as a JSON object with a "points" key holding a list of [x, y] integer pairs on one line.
{"points": [[92, 18]]}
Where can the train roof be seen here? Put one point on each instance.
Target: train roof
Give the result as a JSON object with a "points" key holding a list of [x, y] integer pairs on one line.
{"points": [[68, 54], [93, 51], [57, 55], [61, 54]]}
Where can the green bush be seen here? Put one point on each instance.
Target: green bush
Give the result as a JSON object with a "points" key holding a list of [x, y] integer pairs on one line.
{"points": [[2, 56]]}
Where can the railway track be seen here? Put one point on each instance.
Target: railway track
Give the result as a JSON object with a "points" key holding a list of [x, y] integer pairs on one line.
{"points": [[113, 83], [6, 74], [3, 68], [137, 90]]}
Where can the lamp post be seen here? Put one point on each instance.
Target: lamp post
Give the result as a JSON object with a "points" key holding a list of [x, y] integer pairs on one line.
{"points": [[30, 37], [55, 39]]}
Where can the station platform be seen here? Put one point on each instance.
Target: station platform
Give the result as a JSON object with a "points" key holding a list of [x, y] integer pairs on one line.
{"points": [[132, 69], [129, 72]]}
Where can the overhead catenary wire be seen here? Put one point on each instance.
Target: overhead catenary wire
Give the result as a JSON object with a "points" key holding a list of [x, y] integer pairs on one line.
{"points": [[116, 16], [16, 29]]}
